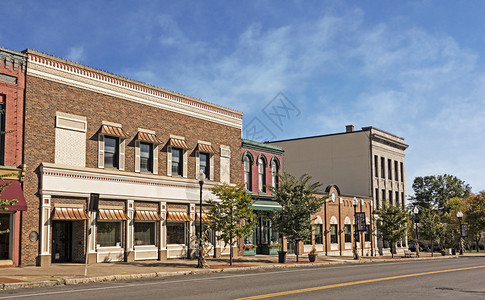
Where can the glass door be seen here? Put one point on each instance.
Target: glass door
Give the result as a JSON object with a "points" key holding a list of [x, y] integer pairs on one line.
{"points": [[61, 241]]}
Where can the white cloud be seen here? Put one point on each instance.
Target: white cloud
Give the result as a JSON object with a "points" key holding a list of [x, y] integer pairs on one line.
{"points": [[76, 54]]}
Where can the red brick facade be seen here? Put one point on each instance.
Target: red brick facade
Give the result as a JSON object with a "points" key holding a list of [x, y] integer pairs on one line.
{"points": [[46, 97]]}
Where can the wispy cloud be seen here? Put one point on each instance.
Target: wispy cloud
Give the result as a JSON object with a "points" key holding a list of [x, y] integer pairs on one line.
{"points": [[76, 54]]}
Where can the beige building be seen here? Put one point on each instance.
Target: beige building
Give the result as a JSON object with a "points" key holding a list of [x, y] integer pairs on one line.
{"points": [[365, 163]]}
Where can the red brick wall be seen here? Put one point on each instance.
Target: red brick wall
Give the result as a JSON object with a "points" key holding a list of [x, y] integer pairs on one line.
{"points": [[254, 169], [44, 98], [13, 95]]}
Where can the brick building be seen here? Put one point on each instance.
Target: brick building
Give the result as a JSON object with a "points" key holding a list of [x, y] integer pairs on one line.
{"points": [[260, 165], [138, 146], [12, 86]]}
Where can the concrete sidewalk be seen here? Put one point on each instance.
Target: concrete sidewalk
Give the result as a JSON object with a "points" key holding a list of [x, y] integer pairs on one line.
{"points": [[61, 274]]}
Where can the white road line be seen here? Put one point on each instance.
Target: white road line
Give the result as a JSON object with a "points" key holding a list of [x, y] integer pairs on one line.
{"points": [[202, 279]]}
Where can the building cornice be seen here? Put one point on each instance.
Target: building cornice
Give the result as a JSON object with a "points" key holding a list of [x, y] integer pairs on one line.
{"points": [[247, 144], [73, 74]]}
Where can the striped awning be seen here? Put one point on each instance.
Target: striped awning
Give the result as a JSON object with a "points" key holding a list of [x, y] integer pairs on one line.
{"points": [[205, 218], [178, 143], [178, 216], [205, 148], [147, 137], [147, 215], [67, 213], [112, 130], [112, 214]]}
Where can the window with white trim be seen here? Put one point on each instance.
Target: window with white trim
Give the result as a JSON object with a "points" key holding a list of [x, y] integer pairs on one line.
{"points": [[177, 162], [204, 164], [144, 233], [247, 172], [262, 174], [146, 157], [108, 234], [111, 152], [274, 173]]}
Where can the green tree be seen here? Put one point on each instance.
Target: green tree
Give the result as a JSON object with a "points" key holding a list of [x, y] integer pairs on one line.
{"points": [[299, 203], [435, 191], [475, 216], [231, 217], [392, 224], [431, 227]]}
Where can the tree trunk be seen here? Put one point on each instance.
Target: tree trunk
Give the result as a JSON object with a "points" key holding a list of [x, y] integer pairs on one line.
{"points": [[392, 250], [297, 250], [432, 249], [230, 251]]}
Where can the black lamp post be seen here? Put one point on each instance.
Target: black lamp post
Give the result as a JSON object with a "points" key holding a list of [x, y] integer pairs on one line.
{"points": [[416, 211], [460, 217], [356, 254], [201, 178]]}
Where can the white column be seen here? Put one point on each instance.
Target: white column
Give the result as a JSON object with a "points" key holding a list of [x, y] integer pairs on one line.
{"points": [[163, 226], [46, 225], [130, 225]]}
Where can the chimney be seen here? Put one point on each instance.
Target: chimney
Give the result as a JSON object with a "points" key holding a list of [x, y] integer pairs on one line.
{"points": [[349, 128]]}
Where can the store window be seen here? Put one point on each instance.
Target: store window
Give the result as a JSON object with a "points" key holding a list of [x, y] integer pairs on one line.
{"points": [[176, 233], [108, 234], [208, 234], [144, 233], [318, 234], [333, 234], [347, 233]]}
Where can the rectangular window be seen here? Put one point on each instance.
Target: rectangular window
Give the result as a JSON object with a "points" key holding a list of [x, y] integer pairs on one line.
{"points": [[368, 233], [377, 199], [318, 234], [247, 173], [389, 169], [348, 236], [262, 175], [403, 200], [175, 233], [383, 167], [396, 195], [5, 235], [383, 196], [376, 166], [390, 198], [146, 157], [144, 233], [204, 164], [402, 172], [2, 129], [333, 234], [108, 234], [111, 152], [396, 171], [177, 162]]}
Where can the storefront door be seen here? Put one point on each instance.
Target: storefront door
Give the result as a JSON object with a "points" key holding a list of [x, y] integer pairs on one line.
{"points": [[61, 241], [5, 235]]}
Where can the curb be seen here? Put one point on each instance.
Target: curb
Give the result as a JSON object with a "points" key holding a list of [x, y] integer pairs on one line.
{"points": [[72, 281]]}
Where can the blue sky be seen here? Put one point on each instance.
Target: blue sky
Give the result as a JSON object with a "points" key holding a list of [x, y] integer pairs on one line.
{"points": [[413, 68]]}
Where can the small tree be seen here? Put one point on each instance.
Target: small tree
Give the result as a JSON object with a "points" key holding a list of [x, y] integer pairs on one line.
{"points": [[231, 217], [297, 198], [431, 227], [475, 216], [392, 222]]}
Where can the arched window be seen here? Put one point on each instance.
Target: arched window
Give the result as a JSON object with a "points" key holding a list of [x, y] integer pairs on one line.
{"points": [[262, 174], [274, 172], [247, 172]]}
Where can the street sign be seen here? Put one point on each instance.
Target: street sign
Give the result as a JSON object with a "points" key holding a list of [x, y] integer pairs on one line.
{"points": [[464, 230], [361, 224]]}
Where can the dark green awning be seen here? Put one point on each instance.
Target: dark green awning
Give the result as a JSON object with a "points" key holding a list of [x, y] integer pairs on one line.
{"points": [[266, 205]]}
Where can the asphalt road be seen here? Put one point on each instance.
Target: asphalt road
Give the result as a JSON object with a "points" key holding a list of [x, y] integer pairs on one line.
{"points": [[462, 278]]}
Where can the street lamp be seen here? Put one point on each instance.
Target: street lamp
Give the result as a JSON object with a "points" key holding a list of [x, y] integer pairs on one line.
{"points": [[354, 203], [201, 178], [416, 211], [460, 217]]}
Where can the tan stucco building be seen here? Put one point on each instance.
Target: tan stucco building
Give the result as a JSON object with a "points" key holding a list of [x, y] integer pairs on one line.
{"points": [[366, 163]]}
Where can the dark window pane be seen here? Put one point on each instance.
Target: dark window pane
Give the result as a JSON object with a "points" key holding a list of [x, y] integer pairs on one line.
{"points": [[348, 237], [146, 156], [108, 234], [333, 233], [5, 236], [110, 152], [204, 164], [177, 162], [144, 233], [175, 233]]}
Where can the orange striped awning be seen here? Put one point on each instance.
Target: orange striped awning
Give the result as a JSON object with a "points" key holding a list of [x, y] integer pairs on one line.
{"points": [[112, 214], [205, 218], [147, 215], [147, 137], [205, 148], [67, 213], [178, 143], [112, 130], [178, 216]]}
